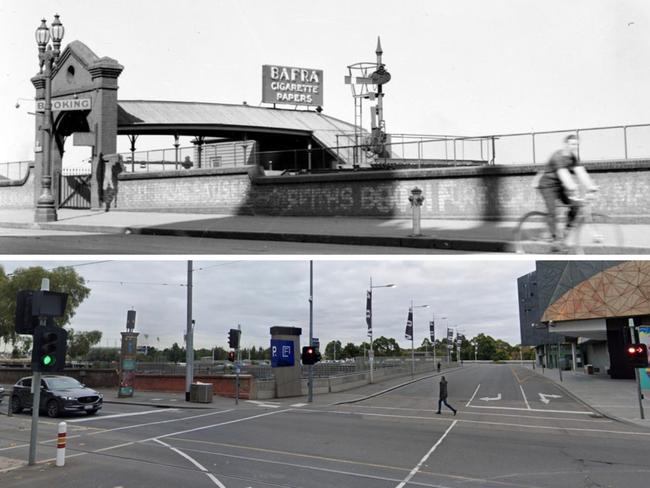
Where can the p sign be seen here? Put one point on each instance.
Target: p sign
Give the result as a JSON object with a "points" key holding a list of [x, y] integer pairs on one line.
{"points": [[282, 353]]}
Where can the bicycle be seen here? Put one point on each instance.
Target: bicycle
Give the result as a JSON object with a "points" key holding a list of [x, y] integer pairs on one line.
{"points": [[592, 232]]}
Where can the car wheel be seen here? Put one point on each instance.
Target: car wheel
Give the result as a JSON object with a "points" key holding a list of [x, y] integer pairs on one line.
{"points": [[16, 406], [91, 412], [52, 408]]}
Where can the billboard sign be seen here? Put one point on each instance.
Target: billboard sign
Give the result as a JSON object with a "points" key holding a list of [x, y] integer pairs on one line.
{"points": [[292, 86]]}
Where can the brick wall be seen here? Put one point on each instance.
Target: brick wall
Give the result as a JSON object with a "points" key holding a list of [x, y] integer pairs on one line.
{"points": [[222, 385], [486, 192], [18, 193]]}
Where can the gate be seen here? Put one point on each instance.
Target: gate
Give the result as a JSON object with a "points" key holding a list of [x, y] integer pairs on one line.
{"points": [[74, 191]]}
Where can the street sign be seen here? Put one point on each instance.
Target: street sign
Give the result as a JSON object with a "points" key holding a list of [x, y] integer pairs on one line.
{"points": [[315, 342], [281, 353], [66, 104]]}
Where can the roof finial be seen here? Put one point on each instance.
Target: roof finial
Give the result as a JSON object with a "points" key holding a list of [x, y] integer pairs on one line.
{"points": [[378, 51]]}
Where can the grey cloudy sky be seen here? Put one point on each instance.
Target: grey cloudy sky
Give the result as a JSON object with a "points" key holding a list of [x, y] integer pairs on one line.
{"points": [[474, 295], [469, 67]]}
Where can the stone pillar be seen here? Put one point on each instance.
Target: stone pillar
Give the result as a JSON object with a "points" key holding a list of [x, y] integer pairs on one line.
{"points": [[104, 73], [285, 360], [39, 150]]}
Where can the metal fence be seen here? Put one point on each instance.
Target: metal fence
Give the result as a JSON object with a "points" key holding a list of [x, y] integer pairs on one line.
{"points": [[323, 369], [14, 170], [623, 142]]}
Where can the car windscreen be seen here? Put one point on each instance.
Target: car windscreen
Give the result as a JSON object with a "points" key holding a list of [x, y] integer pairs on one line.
{"points": [[63, 383]]}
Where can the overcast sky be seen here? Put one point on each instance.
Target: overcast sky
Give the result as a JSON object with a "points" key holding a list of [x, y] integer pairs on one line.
{"points": [[473, 295], [470, 67]]}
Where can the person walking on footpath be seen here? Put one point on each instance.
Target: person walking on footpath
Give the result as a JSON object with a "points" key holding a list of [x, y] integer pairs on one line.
{"points": [[442, 398]]}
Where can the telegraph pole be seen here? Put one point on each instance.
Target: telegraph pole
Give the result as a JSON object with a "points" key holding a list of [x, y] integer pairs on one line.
{"points": [[310, 380], [189, 337]]}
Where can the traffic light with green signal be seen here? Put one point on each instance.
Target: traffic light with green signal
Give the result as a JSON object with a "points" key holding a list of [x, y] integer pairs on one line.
{"points": [[49, 349]]}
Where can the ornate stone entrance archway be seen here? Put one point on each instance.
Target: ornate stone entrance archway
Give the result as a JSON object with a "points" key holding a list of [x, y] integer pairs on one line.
{"points": [[84, 106]]}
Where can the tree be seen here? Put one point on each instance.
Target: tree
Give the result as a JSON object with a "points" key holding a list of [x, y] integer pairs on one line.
{"points": [[79, 343], [62, 279], [175, 354], [386, 347], [350, 351], [104, 354], [333, 349]]}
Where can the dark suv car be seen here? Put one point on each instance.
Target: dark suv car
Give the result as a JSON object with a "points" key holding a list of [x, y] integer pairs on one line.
{"points": [[59, 394]]}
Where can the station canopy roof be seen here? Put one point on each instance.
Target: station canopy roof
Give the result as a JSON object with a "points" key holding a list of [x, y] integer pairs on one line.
{"points": [[227, 121]]}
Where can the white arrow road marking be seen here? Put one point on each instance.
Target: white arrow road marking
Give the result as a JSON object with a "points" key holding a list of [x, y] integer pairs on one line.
{"points": [[260, 403], [544, 397], [488, 399]]}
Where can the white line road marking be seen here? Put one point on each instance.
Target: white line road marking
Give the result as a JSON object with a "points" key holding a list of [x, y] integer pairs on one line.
{"points": [[475, 392], [507, 424], [193, 461], [298, 405], [488, 399], [535, 410], [102, 417], [261, 403], [426, 456], [524, 395], [403, 409], [544, 397], [160, 422], [215, 425]]}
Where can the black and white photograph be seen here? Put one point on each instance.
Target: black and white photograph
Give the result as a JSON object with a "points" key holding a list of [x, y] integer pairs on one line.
{"points": [[224, 127]]}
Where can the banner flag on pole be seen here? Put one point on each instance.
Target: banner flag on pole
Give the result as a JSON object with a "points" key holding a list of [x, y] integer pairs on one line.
{"points": [[369, 312], [450, 337], [432, 331], [409, 325]]}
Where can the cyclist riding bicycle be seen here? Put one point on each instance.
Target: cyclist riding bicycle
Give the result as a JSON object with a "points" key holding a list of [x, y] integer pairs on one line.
{"points": [[558, 183]]}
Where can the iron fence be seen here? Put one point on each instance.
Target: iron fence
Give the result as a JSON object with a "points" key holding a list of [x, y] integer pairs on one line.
{"points": [[14, 170]]}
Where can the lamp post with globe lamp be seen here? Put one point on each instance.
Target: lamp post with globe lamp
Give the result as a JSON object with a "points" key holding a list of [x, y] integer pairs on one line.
{"points": [[47, 56]]}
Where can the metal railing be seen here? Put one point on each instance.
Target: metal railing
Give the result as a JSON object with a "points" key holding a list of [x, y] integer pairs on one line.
{"points": [[14, 170], [620, 142]]}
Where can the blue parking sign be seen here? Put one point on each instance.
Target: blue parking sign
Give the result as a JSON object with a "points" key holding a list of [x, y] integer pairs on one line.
{"points": [[281, 353]]}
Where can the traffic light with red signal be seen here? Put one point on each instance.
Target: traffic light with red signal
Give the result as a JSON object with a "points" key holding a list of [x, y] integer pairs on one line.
{"points": [[637, 355], [310, 355]]}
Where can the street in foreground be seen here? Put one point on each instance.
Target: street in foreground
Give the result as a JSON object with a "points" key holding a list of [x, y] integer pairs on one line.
{"points": [[514, 428]]}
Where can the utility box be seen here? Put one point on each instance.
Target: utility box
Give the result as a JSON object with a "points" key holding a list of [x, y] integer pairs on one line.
{"points": [[201, 392]]}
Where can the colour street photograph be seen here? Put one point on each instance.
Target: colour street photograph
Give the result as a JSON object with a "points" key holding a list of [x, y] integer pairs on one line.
{"points": [[359, 373], [285, 244], [224, 127]]}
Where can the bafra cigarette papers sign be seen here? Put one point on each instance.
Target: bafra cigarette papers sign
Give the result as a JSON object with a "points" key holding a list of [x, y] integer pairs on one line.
{"points": [[293, 86]]}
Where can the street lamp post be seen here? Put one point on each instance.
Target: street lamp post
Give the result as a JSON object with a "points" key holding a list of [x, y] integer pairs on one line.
{"points": [[371, 354], [412, 338], [47, 56]]}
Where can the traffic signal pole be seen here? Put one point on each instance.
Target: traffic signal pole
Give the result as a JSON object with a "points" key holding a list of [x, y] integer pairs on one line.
{"points": [[310, 378], [36, 392]]}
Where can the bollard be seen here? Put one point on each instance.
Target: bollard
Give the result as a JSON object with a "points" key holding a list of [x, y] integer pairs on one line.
{"points": [[60, 445], [416, 198]]}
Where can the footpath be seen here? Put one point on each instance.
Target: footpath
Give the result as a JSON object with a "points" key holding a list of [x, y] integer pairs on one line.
{"points": [[615, 399], [458, 235]]}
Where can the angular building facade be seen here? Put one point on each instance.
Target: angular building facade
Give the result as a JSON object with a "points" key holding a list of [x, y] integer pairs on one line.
{"points": [[578, 313]]}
